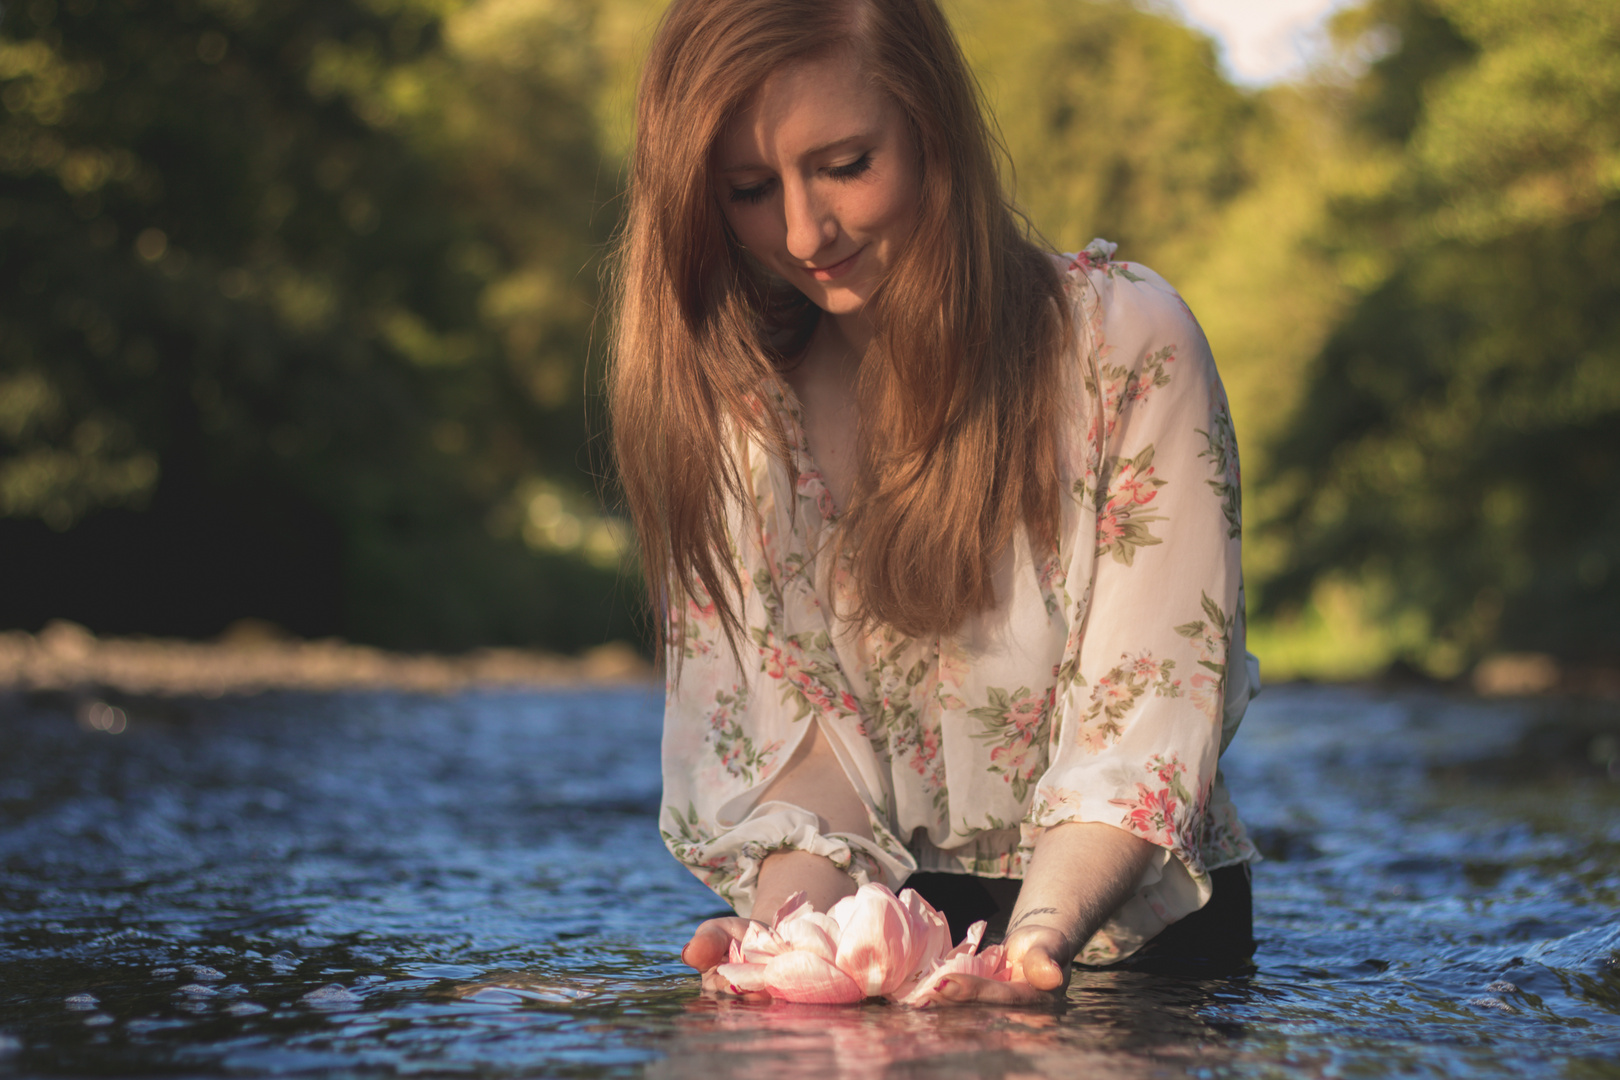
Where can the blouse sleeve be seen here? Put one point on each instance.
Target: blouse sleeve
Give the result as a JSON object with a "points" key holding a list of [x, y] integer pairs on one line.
{"points": [[733, 720], [1156, 648]]}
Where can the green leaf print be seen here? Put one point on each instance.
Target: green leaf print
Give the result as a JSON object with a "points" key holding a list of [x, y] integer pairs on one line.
{"points": [[736, 751], [1123, 497], [686, 844], [1115, 694], [1212, 636], [894, 725], [1222, 454], [1019, 726]]}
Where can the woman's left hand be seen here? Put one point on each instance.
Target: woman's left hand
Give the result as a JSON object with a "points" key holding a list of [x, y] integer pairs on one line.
{"points": [[1039, 957]]}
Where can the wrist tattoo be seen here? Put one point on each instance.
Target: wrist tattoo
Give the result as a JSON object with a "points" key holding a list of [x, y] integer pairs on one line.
{"points": [[1031, 913]]}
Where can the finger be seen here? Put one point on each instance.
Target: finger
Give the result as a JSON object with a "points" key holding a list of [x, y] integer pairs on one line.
{"points": [[971, 989], [1042, 970], [715, 986], [711, 942]]}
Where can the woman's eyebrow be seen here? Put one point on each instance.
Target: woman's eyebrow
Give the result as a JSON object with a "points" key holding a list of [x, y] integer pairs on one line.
{"points": [[814, 151]]}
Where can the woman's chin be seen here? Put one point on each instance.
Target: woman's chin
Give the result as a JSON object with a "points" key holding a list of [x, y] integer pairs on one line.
{"points": [[838, 302]]}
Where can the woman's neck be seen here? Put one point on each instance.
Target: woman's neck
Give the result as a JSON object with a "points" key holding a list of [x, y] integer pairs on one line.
{"points": [[850, 333]]}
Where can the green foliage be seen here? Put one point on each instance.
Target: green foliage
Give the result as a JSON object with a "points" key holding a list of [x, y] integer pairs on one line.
{"points": [[332, 252], [1458, 449], [314, 282], [1118, 120]]}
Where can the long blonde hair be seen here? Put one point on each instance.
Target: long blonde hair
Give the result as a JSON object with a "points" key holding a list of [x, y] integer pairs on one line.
{"points": [[960, 392]]}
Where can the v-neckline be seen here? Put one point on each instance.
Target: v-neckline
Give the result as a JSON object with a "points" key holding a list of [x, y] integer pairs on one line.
{"points": [[789, 405]]}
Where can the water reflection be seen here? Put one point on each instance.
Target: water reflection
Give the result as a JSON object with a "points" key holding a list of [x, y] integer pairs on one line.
{"points": [[1117, 1025]]}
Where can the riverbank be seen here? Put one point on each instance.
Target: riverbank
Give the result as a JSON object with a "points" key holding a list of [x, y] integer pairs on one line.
{"points": [[253, 657]]}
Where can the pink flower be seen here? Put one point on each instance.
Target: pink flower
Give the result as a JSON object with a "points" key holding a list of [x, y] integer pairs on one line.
{"points": [[1131, 487], [824, 502], [966, 959], [872, 944], [1025, 714], [1153, 813], [1107, 692], [1010, 760]]}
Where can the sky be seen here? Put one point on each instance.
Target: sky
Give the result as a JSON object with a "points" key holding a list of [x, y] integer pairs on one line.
{"points": [[1262, 41]]}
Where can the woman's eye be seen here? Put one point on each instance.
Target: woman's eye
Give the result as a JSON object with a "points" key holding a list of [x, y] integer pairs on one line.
{"points": [[852, 170], [752, 194]]}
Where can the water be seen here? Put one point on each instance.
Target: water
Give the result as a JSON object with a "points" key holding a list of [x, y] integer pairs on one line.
{"points": [[380, 885]]}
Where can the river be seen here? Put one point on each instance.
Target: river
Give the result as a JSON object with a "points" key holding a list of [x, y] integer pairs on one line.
{"points": [[379, 884]]}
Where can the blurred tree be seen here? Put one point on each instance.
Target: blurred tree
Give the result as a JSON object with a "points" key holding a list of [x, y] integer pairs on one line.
{"points": [[302, 295], [1118, 119], [1458, 449]]}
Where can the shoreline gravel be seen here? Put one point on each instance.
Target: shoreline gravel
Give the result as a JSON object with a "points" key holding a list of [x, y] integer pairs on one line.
{"points": [[251, 658]]}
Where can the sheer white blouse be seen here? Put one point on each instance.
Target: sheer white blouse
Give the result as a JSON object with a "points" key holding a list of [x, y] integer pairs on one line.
{"points": [[1102, 687]]}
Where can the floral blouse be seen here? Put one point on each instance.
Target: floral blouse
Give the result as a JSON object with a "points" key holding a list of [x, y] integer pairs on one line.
{"points": [[1103, 687]]}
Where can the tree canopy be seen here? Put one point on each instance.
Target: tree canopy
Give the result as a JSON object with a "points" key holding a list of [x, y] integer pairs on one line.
{"points": [[304, 307]]}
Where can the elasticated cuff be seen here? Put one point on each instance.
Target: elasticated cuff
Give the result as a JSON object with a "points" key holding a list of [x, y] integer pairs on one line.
{"points": [[780, 826]]}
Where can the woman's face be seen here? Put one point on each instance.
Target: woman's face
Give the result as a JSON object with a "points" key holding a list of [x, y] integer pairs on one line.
{"points": [[819, 180]]}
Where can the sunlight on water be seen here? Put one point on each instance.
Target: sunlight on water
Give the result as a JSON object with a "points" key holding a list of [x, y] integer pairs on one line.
{"points": [[473, 885]]}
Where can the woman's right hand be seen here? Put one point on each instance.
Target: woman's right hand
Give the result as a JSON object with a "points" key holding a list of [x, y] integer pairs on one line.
{"points": [[710, 947], [711, 942]]}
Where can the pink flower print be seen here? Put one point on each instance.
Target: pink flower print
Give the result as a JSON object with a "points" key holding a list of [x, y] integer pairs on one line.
{"points": [[1010, 759], [1133, 487], [849, 703], [1206, 693], [1109, 529], [1109, 691], [775, 666], [1026, 713], [927, 751], [812, 485], [1152, 815], [1049, 571], [1145, 666]]}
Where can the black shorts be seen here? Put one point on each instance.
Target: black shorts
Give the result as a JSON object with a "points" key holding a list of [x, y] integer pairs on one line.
{"points": [[1219, 934]]}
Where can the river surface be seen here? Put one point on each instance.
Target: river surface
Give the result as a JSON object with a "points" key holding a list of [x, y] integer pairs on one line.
{"points": [[473, 885]]}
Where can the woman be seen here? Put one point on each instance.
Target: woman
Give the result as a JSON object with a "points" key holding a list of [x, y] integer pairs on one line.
{"points": [[945, 527]]}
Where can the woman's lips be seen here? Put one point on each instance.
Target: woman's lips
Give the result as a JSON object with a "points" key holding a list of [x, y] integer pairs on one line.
{"points": [[835, 271]]}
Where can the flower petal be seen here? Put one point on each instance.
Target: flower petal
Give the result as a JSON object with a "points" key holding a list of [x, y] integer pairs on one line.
{"points": [[874, 941], [841, 912], [804, 935], [743, 978], [989, 964], [931, 934], [807, 978], [796, 903], [761, 943], [971, 939]]}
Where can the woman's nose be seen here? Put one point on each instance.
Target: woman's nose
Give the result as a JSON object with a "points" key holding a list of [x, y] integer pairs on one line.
{"points": [[810, 225]]}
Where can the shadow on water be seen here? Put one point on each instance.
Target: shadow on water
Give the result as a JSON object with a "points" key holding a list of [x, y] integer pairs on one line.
{"points": [[384, 884]]}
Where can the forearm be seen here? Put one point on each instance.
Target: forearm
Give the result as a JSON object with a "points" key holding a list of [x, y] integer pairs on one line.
{"points": [[1080, 875], [815, 781]]}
